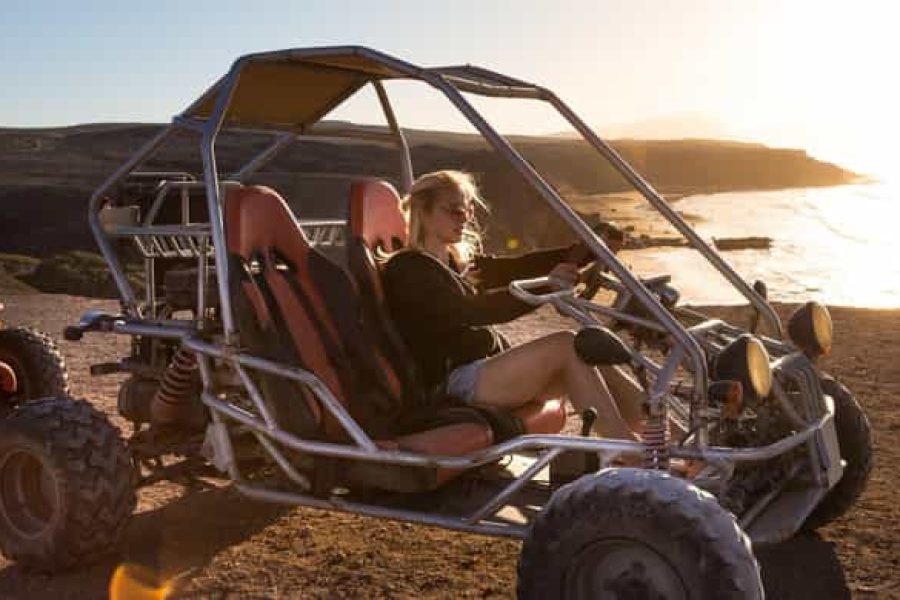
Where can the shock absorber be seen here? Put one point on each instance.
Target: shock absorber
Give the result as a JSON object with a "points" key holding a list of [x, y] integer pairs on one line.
{"points": [[174, 402], [656, 438], [655, 430]]}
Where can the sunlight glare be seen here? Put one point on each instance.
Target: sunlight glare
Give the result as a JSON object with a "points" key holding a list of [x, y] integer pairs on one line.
{"points": [[136, 582]]}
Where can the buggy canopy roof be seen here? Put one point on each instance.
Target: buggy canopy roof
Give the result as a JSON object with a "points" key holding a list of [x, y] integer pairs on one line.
{"points": [[293, 89]]}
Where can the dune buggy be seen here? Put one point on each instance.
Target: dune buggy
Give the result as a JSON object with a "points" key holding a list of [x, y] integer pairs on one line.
{"points": [[265, 340]]}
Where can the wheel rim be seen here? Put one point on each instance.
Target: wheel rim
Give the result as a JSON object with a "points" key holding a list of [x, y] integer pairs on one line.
{"points": [[23, 384], [28, 494], [623, 569]]}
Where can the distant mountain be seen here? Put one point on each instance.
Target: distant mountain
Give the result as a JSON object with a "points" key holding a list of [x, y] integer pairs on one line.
{"points": [[47, 175]]}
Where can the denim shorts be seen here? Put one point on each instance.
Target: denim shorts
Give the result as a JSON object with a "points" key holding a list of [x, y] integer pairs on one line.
{"points": [[463, 381]]}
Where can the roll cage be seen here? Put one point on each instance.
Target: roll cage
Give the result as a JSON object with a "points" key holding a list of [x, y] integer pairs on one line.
{"points": [[264, 92], [363, 65]]}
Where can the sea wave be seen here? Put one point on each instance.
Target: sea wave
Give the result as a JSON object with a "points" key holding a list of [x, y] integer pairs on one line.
{"points": [[838, 245]]}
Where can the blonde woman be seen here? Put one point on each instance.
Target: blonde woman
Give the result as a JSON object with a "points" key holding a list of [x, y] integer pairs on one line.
{"points": [[447, 321]]}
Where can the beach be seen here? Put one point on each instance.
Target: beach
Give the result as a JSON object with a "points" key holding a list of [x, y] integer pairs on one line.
{"points": [[822, 243]]}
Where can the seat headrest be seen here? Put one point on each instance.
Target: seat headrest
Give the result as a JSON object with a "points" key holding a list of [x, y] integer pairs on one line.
{"points": [[257, 217], [376, 216]]}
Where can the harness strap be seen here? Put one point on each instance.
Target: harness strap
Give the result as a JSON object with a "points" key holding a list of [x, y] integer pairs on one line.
{"points": [[379, 323], [350, 337], [287, 352]]}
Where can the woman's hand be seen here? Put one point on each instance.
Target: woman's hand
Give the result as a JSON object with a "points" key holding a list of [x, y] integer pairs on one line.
{"points": [[614, 237], [565, 274]]}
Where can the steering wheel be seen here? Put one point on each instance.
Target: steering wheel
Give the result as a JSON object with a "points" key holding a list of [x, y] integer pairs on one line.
{"points": [[595, 276], [578, 254], [594, 279]]}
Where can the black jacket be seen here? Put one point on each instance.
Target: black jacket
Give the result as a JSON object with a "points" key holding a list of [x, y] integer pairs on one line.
{"points": [[444, 319]]}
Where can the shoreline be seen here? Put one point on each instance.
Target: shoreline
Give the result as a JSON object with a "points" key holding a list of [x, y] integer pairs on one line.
{"points": [[805, 243], [630, 208]]}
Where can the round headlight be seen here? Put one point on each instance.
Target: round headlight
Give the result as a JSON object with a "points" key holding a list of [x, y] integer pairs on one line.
{"points": [[811, 329], [745, 359], [758, 368]]}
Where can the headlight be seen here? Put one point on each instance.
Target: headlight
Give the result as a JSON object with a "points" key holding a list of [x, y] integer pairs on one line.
{"points": [[811, 329], [745, 359]]}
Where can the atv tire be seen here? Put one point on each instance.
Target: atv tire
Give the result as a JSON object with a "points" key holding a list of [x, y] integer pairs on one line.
{"points": [[66, 484], [635, 533], [855, 440], [37, 362]]}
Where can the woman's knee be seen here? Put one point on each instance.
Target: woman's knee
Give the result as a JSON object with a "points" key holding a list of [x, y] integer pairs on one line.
{"points": [[562, 340], [565, 346], [559, 347]]}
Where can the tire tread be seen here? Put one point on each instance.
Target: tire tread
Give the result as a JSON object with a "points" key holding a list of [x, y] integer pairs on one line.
{"points": [[685, 512], [93, 467], [41, 358]]}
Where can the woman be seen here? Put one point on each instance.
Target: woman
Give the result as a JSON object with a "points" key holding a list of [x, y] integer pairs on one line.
{"points": [[446, 321]]}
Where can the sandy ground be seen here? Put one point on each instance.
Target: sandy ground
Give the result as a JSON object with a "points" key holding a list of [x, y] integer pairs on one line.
{"points": [[227, 546]]}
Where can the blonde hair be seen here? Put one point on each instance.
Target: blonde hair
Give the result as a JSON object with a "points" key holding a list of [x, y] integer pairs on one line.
{"points": [[421, 199]]}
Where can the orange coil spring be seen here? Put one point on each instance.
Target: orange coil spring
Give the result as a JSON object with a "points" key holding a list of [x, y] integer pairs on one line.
{"points": [[656, 442], [179, 379]]}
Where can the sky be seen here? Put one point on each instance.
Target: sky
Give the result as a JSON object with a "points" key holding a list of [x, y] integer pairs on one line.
{"points": [[790, 73]]}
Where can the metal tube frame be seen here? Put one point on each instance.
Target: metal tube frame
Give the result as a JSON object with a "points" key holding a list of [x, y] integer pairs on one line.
{"points": [[363, 448], [128, 298], [477, 522], [492, 528], [281, 142], [406, 170]]}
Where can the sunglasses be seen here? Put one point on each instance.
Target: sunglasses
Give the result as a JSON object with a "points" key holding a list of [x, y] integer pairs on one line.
{"points": [[457, 211]]}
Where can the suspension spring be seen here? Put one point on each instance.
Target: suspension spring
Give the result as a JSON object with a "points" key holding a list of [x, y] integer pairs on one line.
{"points": [[656, 441], [178, 383]]}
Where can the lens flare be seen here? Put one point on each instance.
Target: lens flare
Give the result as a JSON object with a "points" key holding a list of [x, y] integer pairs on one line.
{"points": [[137, 582]]}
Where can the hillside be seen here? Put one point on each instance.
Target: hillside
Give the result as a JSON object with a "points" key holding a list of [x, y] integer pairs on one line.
{"points": [[47, 175]]}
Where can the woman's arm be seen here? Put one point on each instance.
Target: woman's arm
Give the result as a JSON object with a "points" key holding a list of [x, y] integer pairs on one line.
{"points": [[420, 289], [497, 271], [493, 271]]}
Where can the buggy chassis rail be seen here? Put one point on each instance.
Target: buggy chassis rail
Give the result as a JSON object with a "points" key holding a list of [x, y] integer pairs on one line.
{"points": [[482, 520], [367, 450]]}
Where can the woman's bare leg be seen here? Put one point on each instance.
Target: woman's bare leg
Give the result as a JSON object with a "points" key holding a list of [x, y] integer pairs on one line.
{"points": [[535, 369], [628, 393]]}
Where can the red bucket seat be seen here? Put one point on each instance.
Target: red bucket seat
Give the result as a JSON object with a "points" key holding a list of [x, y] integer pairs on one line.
{"points": [[295, 306]]}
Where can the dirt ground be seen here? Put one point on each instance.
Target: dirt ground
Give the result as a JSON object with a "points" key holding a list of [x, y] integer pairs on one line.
{"points": [[225, 546]]}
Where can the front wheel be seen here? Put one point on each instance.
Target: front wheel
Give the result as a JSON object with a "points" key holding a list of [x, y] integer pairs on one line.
{"points": [[634, 533], [66, 484], [855, 441]]}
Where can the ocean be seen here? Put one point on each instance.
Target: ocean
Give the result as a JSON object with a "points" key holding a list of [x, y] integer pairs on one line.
{"points": [[839, 245]]}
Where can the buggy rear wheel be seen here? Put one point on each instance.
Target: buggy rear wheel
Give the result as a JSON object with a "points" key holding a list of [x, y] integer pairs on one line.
{"points": [[66, 484], [634, 533], [39, 367]]}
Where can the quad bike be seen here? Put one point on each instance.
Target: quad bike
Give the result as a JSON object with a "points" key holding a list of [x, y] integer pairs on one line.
{"points": [[257, 358]]}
